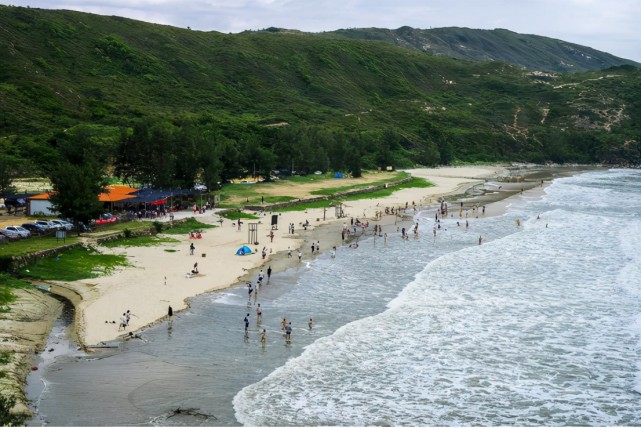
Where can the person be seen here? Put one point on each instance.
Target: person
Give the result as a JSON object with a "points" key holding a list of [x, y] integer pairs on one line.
{"points": [[283, 324], [264, 252], [271, 236], [195, 269], [480, 239], [313, 247], [300, 255], [269, 273], [261, 275], [123, 322], [263, 337], [170, 312], [310, 323], [250, 289], [289, 253], [259, 314], [288, 332], [333, 252], [128, 316], [246, 320], [191, 249]]}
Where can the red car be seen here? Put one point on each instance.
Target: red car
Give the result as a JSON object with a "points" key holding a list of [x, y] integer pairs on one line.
{"points": [[106, 219]]}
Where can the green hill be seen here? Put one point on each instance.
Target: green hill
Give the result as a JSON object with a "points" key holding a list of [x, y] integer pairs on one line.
{"points": [[205, 105], [526, 50]]}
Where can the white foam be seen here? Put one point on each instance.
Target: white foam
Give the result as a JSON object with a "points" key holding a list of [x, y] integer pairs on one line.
{"points": [[527, 329]]}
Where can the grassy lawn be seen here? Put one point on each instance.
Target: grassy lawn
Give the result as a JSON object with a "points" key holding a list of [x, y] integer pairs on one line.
{"points": [[238, 195], [415, 182], [7, 283], [189, 225], [235, 215], [77, 263], [34, 244], [139, 241], [308, 205], [120, 226]]}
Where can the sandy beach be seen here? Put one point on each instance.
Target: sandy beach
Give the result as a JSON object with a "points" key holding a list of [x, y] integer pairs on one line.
{"points": [[158, 279]]}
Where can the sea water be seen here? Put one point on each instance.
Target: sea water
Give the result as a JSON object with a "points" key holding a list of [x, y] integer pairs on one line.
{"points": [[539, 325]]}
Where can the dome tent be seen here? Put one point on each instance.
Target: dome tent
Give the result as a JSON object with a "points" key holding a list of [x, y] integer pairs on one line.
{"points": [[243, 250]]}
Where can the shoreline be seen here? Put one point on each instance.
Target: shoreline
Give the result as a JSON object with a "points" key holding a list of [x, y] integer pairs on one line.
{"points": [[91, 298]]}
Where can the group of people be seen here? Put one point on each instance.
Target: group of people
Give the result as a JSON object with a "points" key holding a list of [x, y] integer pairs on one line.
{"points": [[286, 326], [124, 320]]}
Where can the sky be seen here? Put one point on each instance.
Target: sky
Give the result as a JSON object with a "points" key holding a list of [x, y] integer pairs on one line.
{"points": [[613, 26]]}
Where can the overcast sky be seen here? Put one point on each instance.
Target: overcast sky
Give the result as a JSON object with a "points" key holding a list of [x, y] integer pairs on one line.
{"points": [[612, 26]]}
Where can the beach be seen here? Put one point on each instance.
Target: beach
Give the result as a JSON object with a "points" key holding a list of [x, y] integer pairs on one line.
{"points": [[536, 326], [158, 279]]}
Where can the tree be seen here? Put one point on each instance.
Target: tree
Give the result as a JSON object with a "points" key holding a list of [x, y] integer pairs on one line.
{"points": [[76, 188], [78, 174]]}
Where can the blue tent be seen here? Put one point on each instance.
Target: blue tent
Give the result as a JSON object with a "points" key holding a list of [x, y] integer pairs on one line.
{"points": [[338, 175], [243, 250]]}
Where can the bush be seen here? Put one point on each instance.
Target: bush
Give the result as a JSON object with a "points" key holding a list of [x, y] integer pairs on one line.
{"points": [[127, 233], [158, 226]]}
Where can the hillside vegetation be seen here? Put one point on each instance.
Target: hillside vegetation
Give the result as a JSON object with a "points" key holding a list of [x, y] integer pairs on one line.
{"points": [[530, 51], [166, 106]]}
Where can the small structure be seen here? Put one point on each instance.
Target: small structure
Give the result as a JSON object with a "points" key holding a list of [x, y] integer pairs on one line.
{"points": [[274, 221], [252, 233]]}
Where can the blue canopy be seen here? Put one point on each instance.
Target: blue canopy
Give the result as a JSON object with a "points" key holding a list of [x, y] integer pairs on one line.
{"points": [[338, 175], [243, 250]]}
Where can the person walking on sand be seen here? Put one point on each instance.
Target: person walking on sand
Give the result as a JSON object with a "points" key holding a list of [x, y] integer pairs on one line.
{"points": [[123, 322], [191, 249], [259, 314], [271, 236]]}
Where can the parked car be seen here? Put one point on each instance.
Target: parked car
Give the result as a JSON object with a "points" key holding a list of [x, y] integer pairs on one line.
{"points": [[35, 228], [48, 224], [24, 233], [106, 219], [63, 224], [11, 235]]}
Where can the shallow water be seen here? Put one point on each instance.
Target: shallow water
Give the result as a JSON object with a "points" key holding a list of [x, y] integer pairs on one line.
{"points": [[537, 326]]}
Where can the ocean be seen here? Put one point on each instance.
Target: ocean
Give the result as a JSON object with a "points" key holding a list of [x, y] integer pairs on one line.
{"points": [[539, 325]]}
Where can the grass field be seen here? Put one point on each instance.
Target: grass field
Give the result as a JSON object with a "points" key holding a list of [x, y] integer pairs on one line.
{"points": [[74, 264]]}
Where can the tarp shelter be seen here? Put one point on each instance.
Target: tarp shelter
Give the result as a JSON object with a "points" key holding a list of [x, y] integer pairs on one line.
{"points": [[244, 250], [338, 175], [158, 196]]}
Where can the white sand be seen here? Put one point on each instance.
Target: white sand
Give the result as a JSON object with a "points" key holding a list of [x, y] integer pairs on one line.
{"points": [[144, 290]]}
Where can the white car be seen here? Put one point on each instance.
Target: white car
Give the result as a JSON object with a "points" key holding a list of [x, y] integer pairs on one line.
{"points": [[201, 187], [48, 224], [21, 231], [63, 224]]}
